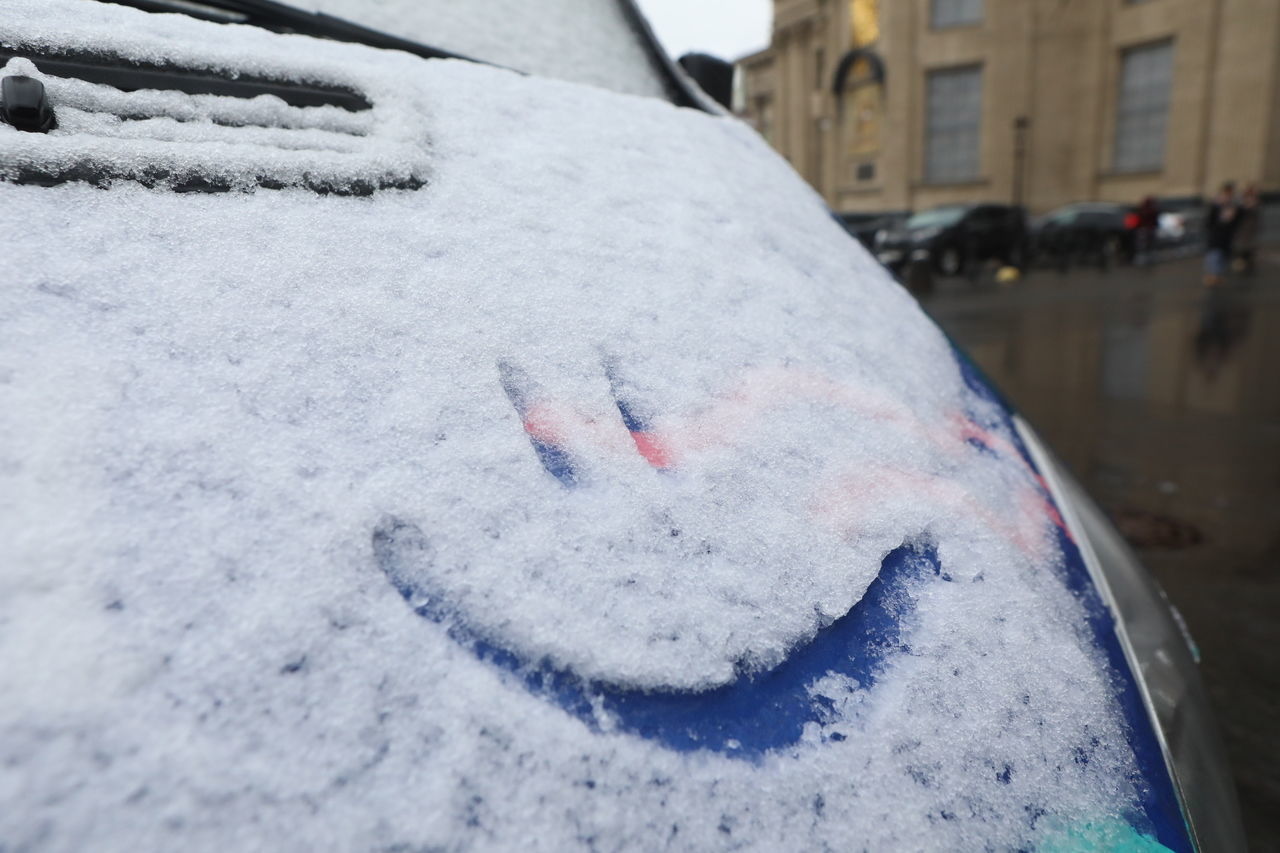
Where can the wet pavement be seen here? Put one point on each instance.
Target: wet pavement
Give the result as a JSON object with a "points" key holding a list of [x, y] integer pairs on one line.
{"points": [[1164, 399]]}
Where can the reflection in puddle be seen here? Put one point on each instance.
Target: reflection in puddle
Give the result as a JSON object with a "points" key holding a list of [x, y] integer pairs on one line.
{"points": [[1224, 321], [1161, 395]]}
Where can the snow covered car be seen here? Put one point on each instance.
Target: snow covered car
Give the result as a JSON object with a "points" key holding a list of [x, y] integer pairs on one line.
{"points": [[400, 452]]}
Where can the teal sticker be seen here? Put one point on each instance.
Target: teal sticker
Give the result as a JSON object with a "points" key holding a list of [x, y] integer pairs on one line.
{"points": [[1108, 836]]}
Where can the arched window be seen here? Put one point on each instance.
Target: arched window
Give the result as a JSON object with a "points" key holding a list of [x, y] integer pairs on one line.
{"points": [[858, 86]]}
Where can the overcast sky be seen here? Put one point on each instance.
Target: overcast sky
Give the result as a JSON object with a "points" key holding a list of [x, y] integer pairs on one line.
{"points": [[724, 28]]}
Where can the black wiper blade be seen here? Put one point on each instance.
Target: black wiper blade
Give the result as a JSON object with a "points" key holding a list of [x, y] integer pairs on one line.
{"points": [[130, 76], [281, 17]]}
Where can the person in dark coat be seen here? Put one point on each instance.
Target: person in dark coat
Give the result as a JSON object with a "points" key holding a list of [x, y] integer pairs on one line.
{"points": [[1220, 227], [1245, 241]]}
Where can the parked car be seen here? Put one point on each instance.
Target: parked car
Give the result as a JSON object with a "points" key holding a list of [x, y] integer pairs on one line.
{"points": [[400, 452], [953, 239], [1088, 232]]}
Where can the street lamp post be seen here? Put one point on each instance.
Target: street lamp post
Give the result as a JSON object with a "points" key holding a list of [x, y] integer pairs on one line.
{"points": [[1020, 126]]}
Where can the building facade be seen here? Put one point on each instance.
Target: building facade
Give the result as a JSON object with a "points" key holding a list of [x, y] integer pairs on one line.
{"points": [[888, 105]]}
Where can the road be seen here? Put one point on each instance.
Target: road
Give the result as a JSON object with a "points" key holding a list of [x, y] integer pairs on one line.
{"points": [[1164, 399]]}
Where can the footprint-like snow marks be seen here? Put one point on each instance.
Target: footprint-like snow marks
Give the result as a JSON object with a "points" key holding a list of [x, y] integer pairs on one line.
{"points": [[754, 714]]}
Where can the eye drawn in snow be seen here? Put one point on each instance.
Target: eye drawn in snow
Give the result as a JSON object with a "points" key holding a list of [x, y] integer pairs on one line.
{"points": [[539, 424], [759, 710], [547, 422]]}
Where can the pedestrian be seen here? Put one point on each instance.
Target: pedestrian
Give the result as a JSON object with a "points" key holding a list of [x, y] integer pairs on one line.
{"points": [[1246, 236], [1220, 226], [1146, 222]]}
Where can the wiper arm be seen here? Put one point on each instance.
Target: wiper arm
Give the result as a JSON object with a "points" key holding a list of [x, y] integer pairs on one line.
{"points": [[281, 17]]}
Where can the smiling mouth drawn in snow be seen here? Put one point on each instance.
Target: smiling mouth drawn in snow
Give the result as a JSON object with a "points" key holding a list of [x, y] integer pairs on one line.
{"points": [[764, 703], [753, 715]]}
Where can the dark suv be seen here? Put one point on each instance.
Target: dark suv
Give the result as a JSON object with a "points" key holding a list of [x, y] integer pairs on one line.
{"points": [[1088, 232], [952, 238], [866, 227]]}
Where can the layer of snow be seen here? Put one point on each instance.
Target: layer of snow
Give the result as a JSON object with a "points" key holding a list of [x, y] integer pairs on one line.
{"points": [[585, 41], [208, 403]]}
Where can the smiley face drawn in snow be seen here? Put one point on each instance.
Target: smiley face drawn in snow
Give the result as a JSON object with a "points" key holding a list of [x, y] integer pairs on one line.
{"points": [[764, 702]]}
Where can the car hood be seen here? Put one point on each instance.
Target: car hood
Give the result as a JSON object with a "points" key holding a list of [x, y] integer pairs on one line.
{"points": [[608, 401]]}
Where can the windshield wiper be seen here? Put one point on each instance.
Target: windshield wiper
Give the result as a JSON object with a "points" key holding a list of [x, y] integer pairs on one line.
{"points": [[283, 18]]}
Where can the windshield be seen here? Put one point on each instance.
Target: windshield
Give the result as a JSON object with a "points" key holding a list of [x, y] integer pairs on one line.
{"points": [[939, 217], [584, 41]]}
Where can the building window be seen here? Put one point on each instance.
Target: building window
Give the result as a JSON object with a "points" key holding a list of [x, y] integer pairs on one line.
{"points": [[1142, 107], [953, 125], [956, 13], [819, 69]]}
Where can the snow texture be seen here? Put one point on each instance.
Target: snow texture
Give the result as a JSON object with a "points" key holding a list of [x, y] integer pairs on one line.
{"points": [[585, 41], [209, 403]]}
